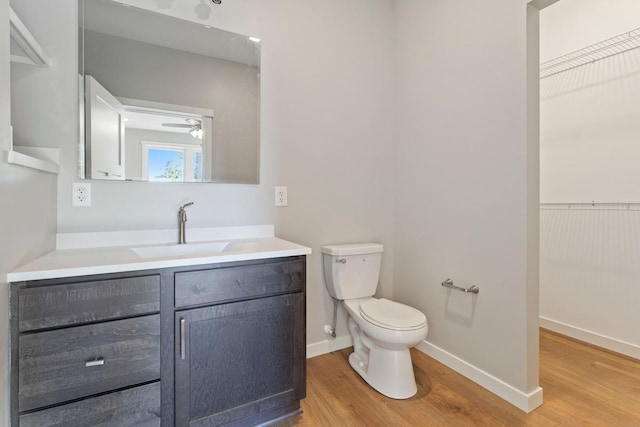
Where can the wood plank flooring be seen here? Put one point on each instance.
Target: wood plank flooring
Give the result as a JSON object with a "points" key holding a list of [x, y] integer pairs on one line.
{"points": [[583, 386]]}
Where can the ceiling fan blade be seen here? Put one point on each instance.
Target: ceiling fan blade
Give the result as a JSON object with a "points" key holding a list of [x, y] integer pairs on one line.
{"points": [[177, 125]]}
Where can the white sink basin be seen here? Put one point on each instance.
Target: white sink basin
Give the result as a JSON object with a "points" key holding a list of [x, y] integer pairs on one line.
{"points": [[175, 250]]}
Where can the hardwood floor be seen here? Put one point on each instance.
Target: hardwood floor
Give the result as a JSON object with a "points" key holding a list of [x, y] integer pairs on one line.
{"points": [[583, 386]]}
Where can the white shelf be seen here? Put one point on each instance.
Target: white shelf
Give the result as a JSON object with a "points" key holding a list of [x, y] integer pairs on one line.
{"points": [[590, 54], [34, 54], [27, 50], [42, 159]]}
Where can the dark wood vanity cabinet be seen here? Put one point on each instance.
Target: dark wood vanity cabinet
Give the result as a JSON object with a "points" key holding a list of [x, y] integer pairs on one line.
{"points": [[213, 345], [86, 351], [240, 360]]}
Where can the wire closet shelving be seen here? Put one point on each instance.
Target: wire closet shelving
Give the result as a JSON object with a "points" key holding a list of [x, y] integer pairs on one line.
{"points": [[596, 52], [592, 206]]}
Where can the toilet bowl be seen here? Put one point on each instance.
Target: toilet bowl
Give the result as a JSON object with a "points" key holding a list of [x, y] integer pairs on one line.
{"points": [[404, 328], [383, 331], [381, 352]]}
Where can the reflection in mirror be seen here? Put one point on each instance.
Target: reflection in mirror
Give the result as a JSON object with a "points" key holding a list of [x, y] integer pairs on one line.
{"points": [[167, 143], [152, 84]]}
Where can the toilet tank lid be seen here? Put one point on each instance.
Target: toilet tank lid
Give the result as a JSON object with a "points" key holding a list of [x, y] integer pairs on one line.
{"points": [[353, 249]]}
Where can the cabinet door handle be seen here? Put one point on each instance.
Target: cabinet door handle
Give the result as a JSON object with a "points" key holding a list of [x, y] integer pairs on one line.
{"points": [[96, 362], [183, 344]]}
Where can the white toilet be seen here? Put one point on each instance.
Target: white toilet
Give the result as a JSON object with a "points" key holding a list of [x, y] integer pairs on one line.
{"points": [[383, 331]]}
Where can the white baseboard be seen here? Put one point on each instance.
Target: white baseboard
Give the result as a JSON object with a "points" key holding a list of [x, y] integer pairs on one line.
{"points": [[327, 346], [526, 402], [596, 339]]}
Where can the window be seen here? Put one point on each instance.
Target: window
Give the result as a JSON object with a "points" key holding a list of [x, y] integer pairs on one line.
{"points": [[166, 162]]}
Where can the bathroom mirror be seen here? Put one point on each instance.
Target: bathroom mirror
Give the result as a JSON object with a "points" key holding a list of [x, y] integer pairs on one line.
{"points": [[166, 99]]}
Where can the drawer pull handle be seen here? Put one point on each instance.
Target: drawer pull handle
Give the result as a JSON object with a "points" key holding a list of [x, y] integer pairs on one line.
{"points": [[96, 362], [182, 338]]}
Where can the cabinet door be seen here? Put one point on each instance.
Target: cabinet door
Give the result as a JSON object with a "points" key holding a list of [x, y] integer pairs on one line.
{"points": [[239, 360]]}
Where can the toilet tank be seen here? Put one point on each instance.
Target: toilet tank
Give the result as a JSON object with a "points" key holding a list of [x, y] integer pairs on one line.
{"points": [[352, 271]]}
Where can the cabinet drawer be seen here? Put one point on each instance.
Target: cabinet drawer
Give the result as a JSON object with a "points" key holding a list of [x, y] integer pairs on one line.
{"points": [[139, 406], [234, 283], [68, 304], [56, 366]]}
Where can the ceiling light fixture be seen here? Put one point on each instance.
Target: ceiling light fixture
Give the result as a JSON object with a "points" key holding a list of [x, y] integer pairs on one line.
{"points": [[216, 1], [196, 133]]}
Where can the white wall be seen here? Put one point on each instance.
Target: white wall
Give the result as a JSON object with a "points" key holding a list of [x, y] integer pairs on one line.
{"points": [[27, 212], [590, 275], [589, 126], [325, 133], [589, 272], [570, 25], [465, 194]]}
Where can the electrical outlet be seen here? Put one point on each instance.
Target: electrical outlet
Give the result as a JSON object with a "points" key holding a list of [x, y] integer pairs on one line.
{"points": [[281, 196], [81, 194]]}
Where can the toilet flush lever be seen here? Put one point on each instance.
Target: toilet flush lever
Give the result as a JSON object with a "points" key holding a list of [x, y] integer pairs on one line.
{"points": [[341, 261]]}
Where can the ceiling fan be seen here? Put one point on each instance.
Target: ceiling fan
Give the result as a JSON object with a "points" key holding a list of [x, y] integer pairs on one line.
{"points": [[194, 126]]}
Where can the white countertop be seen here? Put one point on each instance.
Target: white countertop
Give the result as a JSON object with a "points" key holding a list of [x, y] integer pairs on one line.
{"points": [[88, 261]]}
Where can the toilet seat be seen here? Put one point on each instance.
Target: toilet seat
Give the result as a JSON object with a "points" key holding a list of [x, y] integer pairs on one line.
{"points": [[392, 315]]}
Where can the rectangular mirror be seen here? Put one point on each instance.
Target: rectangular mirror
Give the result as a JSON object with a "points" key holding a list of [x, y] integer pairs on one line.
{"points": [[166, 99]]}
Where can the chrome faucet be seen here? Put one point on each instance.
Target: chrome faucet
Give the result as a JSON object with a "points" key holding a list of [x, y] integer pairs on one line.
{"points": [[182, 221]]}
